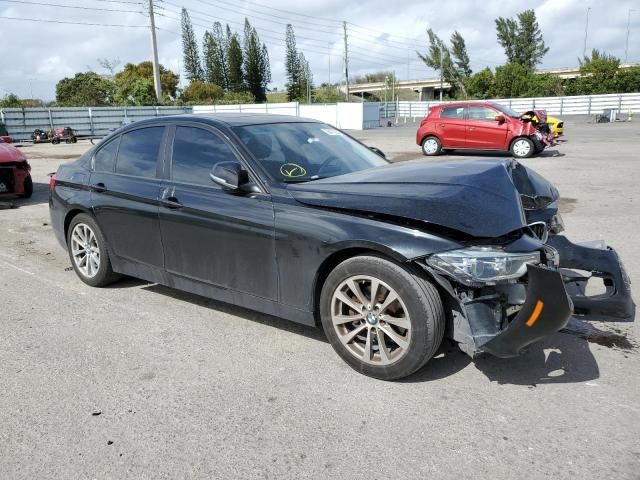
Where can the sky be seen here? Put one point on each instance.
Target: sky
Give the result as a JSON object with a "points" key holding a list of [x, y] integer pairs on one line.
{"points": [[382, 35]]}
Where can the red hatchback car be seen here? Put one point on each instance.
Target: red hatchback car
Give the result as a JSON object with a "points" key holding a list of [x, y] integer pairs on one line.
{"points": [[477, 126], [15, 172]]}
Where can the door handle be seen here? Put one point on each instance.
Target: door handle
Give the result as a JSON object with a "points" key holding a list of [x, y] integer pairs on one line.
{"points": [[442, 125], [98, 187], [472, 128]]}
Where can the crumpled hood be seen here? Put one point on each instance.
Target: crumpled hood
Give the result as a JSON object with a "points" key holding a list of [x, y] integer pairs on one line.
{"points": [[476, 197]]}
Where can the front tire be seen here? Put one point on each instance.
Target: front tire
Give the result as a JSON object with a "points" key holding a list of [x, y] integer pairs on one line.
{"points": [[522, 147], [383, 320], [28, 188], [88, 252], [431, 146]]}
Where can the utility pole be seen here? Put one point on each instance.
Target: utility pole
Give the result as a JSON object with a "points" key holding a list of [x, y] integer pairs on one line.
{"points": [[586, 30], [154, 46], [441, 73], [626, 45], [329, 57], [346, 60]]}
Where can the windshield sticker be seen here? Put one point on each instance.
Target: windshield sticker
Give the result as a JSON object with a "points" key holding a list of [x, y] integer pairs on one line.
{"points": [[292, 170], [330, 131]]}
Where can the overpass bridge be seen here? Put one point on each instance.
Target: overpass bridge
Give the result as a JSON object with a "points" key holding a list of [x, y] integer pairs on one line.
{"points": [[429, 89]]}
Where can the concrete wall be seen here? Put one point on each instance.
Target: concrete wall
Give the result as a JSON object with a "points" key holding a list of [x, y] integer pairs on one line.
{"points": [[577, 105], [94, 122], [348, 116]]}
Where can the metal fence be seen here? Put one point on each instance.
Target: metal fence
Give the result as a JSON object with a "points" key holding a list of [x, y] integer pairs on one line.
{"points": [[90, 122], [574, 105]]}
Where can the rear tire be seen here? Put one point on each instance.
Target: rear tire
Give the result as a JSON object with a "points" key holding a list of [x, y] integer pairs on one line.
{"points": [[391, 335], [431, 146], [522, 147], [88, 252]]}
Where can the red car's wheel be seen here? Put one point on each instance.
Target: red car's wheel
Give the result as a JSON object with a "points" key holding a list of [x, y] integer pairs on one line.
{"points": [[431, 146]]}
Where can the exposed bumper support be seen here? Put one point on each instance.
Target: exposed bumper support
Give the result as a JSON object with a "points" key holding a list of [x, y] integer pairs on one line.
{"points": [[616, 304], [546, 310], [480, 325]]}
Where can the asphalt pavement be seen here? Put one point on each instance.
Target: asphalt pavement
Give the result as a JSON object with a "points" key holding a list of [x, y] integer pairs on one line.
{"points": [[141, 381]]}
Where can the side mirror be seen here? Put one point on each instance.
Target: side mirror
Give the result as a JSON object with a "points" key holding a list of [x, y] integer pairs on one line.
{"points": [[378, 151], [500, 118], [232, 177]]}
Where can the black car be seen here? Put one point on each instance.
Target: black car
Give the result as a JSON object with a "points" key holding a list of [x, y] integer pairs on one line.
{"points": [[294, 218]]}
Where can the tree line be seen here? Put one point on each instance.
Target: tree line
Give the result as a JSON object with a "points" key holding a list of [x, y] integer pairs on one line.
{"points": [[235, 68], [524, 48]]}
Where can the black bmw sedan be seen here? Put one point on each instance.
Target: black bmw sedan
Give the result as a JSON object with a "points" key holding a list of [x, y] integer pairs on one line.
{"points": [[295, 218]]}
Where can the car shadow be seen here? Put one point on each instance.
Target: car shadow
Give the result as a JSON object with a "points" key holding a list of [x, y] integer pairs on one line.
{"points": [[40, 195], [497, 153], [561, 358], [229, 309]]}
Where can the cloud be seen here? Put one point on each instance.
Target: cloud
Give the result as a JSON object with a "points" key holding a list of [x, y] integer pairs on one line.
{"points": [[383, 35]]}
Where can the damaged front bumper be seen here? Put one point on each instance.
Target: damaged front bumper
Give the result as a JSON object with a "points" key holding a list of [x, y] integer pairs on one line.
{"points": [[503, 319]]}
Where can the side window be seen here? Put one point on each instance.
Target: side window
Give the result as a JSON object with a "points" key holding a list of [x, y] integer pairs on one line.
{"points": [[452, 112], [138, 152], [105, 159], [481, 113], [195, 152]]}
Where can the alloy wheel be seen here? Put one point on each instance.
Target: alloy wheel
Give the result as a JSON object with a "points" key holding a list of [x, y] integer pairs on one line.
{"points": [[371, 320], [85, 250]]}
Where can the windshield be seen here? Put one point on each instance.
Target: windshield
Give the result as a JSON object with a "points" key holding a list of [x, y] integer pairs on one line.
{"points": [[299, 152], [506, 110]]}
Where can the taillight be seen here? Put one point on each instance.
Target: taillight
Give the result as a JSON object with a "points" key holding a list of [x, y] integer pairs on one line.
{"points": [[52, 182]]}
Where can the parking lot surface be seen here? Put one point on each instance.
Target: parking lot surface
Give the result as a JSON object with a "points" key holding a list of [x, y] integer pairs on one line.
{"points": [[141, 381]]}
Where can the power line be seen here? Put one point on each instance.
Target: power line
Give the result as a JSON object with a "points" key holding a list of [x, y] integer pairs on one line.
{"points": [[48, 20], [26, 2], [269, 37], [225, 5], [314, 17], [198, 14], [127, 2], [255, 15]]}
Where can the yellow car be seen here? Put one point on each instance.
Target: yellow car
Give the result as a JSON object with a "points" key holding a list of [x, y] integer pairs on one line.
{"points": [[556, 125]]}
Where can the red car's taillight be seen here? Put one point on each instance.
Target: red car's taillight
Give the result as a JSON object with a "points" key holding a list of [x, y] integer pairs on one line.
{"points": [[52, 182]]}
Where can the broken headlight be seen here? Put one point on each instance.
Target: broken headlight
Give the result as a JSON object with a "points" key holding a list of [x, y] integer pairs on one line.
{"points": [[482, 264]]}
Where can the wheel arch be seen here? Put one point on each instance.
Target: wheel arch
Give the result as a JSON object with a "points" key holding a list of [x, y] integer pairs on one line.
{"points": [[339, 256], [71, 214], [427, 135]]}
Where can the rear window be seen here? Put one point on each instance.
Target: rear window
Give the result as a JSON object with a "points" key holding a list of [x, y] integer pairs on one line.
{"points": [[452, 112], [105, 159], [138, 152]]}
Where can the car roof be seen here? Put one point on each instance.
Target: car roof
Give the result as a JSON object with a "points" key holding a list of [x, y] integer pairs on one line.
{"points": [[463, 104], [226, 119]]}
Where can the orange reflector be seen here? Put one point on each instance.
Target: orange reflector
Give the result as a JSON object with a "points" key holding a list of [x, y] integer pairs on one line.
{"points": [[536, 313]]}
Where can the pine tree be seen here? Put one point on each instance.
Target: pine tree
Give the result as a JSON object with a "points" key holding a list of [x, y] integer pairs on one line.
{"points": [[256, 68], [234, 62], [460, 55], [522, 39], [306, 78], [215, 57], [439, 58], [192, 65], [292, 66]]}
